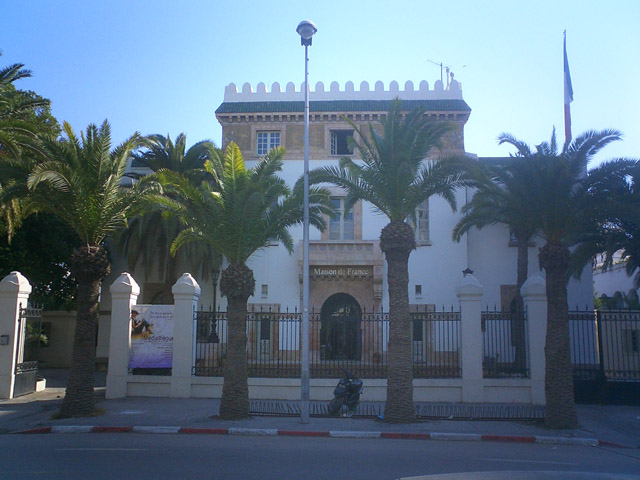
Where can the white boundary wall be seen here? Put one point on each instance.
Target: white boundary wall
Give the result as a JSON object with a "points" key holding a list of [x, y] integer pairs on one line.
{"points": [[472, 387]]}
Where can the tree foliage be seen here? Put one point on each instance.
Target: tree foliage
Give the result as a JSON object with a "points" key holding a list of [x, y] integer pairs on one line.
{"points": [[612, 226], [148, 238], [24, 115], [40, 249]]}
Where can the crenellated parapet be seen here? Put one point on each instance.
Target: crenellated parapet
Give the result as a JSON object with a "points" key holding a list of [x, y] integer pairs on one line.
{"points": [[276, 94]]}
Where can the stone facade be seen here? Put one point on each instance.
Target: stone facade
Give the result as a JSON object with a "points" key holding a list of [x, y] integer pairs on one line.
{"points": [[245, 113]]}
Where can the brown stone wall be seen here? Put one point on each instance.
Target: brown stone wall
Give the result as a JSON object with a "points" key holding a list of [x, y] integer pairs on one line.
{"points": [[316, 136], [454, 140], [241, 134], [295, 138]]}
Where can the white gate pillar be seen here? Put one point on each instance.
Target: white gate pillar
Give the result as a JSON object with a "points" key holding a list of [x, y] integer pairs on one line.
{"points": [[535, 303], [124, 295], [14, 293], [186, 292], [469, 294]]}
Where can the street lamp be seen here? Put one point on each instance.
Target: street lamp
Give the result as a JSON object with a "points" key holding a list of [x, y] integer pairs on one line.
{"points": [[306, 30]]}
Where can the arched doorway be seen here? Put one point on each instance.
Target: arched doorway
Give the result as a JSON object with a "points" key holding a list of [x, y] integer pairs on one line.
{"points": [[340, 330]]}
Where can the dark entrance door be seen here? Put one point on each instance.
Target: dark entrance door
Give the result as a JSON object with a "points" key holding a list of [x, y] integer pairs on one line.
{"points": [[340, 330]]}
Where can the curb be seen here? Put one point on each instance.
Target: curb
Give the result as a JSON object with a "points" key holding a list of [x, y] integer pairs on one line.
{"points": [[272, 432]]}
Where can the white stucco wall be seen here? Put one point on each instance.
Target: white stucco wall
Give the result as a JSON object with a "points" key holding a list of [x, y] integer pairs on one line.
{"points": [[612, 280]]}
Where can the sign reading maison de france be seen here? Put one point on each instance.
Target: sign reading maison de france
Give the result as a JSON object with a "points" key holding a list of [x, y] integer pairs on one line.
{"points": [[335, 271]]}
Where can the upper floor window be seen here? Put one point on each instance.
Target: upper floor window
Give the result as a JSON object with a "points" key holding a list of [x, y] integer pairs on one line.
{"points": [[341, 142], [341, 226], [267, 141], [422, 224]]}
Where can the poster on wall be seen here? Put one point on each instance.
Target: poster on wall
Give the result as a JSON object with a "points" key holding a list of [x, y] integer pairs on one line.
{"points": [[151, 336]]}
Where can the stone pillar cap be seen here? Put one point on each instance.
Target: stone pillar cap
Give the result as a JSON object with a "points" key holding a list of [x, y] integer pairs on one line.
{"points": [[469, 285], [186, 285], [534, 286], [125, 283], [15, 282]]}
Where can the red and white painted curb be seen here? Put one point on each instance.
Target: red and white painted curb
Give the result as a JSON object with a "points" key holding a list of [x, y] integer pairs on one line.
{"points": [[467, 437]]}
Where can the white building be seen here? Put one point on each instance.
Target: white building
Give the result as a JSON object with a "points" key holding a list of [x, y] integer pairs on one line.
{"points": [[346, 258], [613, 279], [347, 268]]}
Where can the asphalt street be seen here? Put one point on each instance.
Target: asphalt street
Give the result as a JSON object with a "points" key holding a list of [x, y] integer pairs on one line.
{"points": [[156, 438], [153, 456]]}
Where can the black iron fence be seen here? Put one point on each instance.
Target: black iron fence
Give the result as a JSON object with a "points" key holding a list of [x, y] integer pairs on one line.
{"points": [[606, 344], [505, 344], [605, 355], [356, 343], [583, 334]]}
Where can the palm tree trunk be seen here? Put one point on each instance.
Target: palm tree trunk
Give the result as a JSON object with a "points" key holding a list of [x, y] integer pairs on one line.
{"points": [[235, 391], [237, 284], [397, 242], [89, 265], [560, 410]]}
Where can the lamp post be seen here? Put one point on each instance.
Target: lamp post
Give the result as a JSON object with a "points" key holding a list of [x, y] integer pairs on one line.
{"points": [[306, 30]]}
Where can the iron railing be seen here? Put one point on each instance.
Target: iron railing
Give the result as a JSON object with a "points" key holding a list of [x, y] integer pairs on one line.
{"points": [[584, 338], [605, 345], [505, 344], [358, 344]]}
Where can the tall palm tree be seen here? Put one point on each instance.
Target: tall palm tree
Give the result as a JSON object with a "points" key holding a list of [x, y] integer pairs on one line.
{"points": [[80, 182], [147, 239], [498, 199], [243, 211], [555, 195], [396, 179]]}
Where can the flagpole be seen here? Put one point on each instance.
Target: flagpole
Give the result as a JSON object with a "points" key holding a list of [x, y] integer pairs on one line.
{"points": [[568, 94]]}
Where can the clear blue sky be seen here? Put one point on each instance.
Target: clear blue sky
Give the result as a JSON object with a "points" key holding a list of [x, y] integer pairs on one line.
{"points": [[161, 66]]}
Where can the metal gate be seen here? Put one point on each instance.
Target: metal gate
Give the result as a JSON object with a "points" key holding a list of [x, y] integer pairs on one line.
{"points": [[605, 353], [29, 339]]}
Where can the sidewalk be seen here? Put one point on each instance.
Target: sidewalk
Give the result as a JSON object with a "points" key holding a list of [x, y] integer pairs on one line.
{"points": [[599, 425]]}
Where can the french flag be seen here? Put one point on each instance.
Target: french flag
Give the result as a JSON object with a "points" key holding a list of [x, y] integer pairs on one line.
{"points": [[568, 95]]}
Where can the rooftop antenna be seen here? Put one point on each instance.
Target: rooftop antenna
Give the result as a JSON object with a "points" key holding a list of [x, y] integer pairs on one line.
{"points": [[439, 64], [446, 67]]}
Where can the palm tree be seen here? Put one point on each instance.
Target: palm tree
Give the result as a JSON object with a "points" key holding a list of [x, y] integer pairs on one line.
{"points": [[23, 115], [396, 179], [80, 182], [555, 206], [614, 222], [499, 200], [148, 238], [242, 211], [18, 113]]}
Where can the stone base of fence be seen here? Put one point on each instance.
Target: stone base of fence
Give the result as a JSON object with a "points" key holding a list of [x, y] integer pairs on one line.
{"points": [[427, 410], [517, 391]]}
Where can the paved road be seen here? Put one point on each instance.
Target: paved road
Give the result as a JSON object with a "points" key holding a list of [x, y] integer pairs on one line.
{"points": [[140, 456]]}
